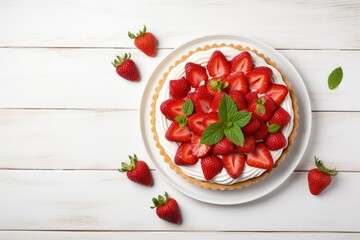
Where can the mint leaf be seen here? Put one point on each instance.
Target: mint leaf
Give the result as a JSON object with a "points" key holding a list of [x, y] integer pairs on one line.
{"points": [[217, 84], [227, 108], [273, 128], [260, 108], [188, 107], [181, 120], [235, 135], [212, 134], [335, 78], [241, 118]]}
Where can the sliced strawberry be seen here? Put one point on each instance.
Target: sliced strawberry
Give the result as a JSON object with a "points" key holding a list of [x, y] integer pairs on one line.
{"points": [[210, 118], [250, 97], [280, 116], [259, 79], [172, 108], [223, 147], [195, 74], [216, 101], [201, 89], [202, 102], [216, 85], [277, 92], [196, 123], [184, 155], [242, 62], [199, 150], [261, 132], [177, 133], [179, 88], [262, 107], [237, 81], [211, 166], [239, 99], [252, 126], [275, 141], [249, 144], [191, 95], [218, 65], [260, 157], [234, 164]]}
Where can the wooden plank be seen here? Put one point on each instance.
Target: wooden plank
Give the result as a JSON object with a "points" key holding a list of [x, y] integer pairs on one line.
{"points": [[54, 235], [319, 24], [106, 200], [84, 78], [64, 139]]}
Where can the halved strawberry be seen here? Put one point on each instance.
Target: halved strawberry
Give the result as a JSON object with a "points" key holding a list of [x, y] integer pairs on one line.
{"points": [[191, 95], [223, 147], [250, 97], [237, 81], [259, 79], [260, 157], [202, 102], [242, 62], [172, 108], [280, 116], [196, 123], [216, 85], [211, 166], [234, 164], [184, 155], [216, 101], [249, 144], [195, 74], [275, 141], [199, 150], [239, 99], [177, 133], [201, 89], [277, 92], [261, 132], [252, 126], [210, 118], [179, 88], [218, 65], [262, 107]]}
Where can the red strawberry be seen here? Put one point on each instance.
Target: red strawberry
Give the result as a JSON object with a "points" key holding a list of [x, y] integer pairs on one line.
{"points": [[216, 101], [199, 150], [237, 81], [218, 65], [275, 141], [249, 145], [167, 209], [202, 102], [216, 85], [250, 97], [196, 123], [202, 89], [126, 68], [261, 132], [259, 79], [195, 74], [177, 133], [262, 107], [280, 116], [191, 95], [145, 42], [223, 147], [184, 155], [252, 126], [172, 108], [210, 118], [242, 62], [239, 99], [260, 157], [211, 166], [319, 178], [234, 164], [137, 171], [179, 88], [277, 92]]}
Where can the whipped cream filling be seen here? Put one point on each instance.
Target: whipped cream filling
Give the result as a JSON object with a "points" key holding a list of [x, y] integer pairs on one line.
{"points": [[162, 124]]}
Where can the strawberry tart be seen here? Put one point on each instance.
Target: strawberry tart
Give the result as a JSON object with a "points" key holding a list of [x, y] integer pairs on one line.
{"points": [[223, 116]]}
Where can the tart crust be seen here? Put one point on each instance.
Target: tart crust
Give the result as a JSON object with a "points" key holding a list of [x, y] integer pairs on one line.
{"points": [[212, 185]]}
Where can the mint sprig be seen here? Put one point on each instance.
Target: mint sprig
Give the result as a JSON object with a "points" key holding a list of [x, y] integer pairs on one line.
{"points": [[231, 122], [187, 109], [274, 128], [217, 84], [335, 78]]}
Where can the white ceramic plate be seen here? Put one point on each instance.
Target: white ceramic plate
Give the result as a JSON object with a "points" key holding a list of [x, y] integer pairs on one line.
{"points": [[272, 181]]}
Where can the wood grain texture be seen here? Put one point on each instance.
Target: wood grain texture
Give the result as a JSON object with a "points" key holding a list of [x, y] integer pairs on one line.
{"points": [[282, 24], [84, 78], [64, 139], [107, 200]]}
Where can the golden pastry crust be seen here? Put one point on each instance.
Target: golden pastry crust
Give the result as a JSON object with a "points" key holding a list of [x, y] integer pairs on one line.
{"points": [[211, 185]]}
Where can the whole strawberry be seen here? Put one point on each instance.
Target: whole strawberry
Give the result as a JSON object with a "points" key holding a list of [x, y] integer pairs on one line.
{"points": [[126, 68], [137, 171], [319, 178], [167, 209], [145, 42]]}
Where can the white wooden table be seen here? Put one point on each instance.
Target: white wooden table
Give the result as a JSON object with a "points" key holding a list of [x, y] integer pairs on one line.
{"points": [[67, 120]]}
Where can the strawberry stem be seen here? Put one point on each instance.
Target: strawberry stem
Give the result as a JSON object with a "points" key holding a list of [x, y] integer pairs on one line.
{"points": [[139, 34], [160, 200], [119, 60], [322, 168], [128, 167]]}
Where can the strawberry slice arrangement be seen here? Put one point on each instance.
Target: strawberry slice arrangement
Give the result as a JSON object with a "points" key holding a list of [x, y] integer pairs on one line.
{"points": [[226, 114]]}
